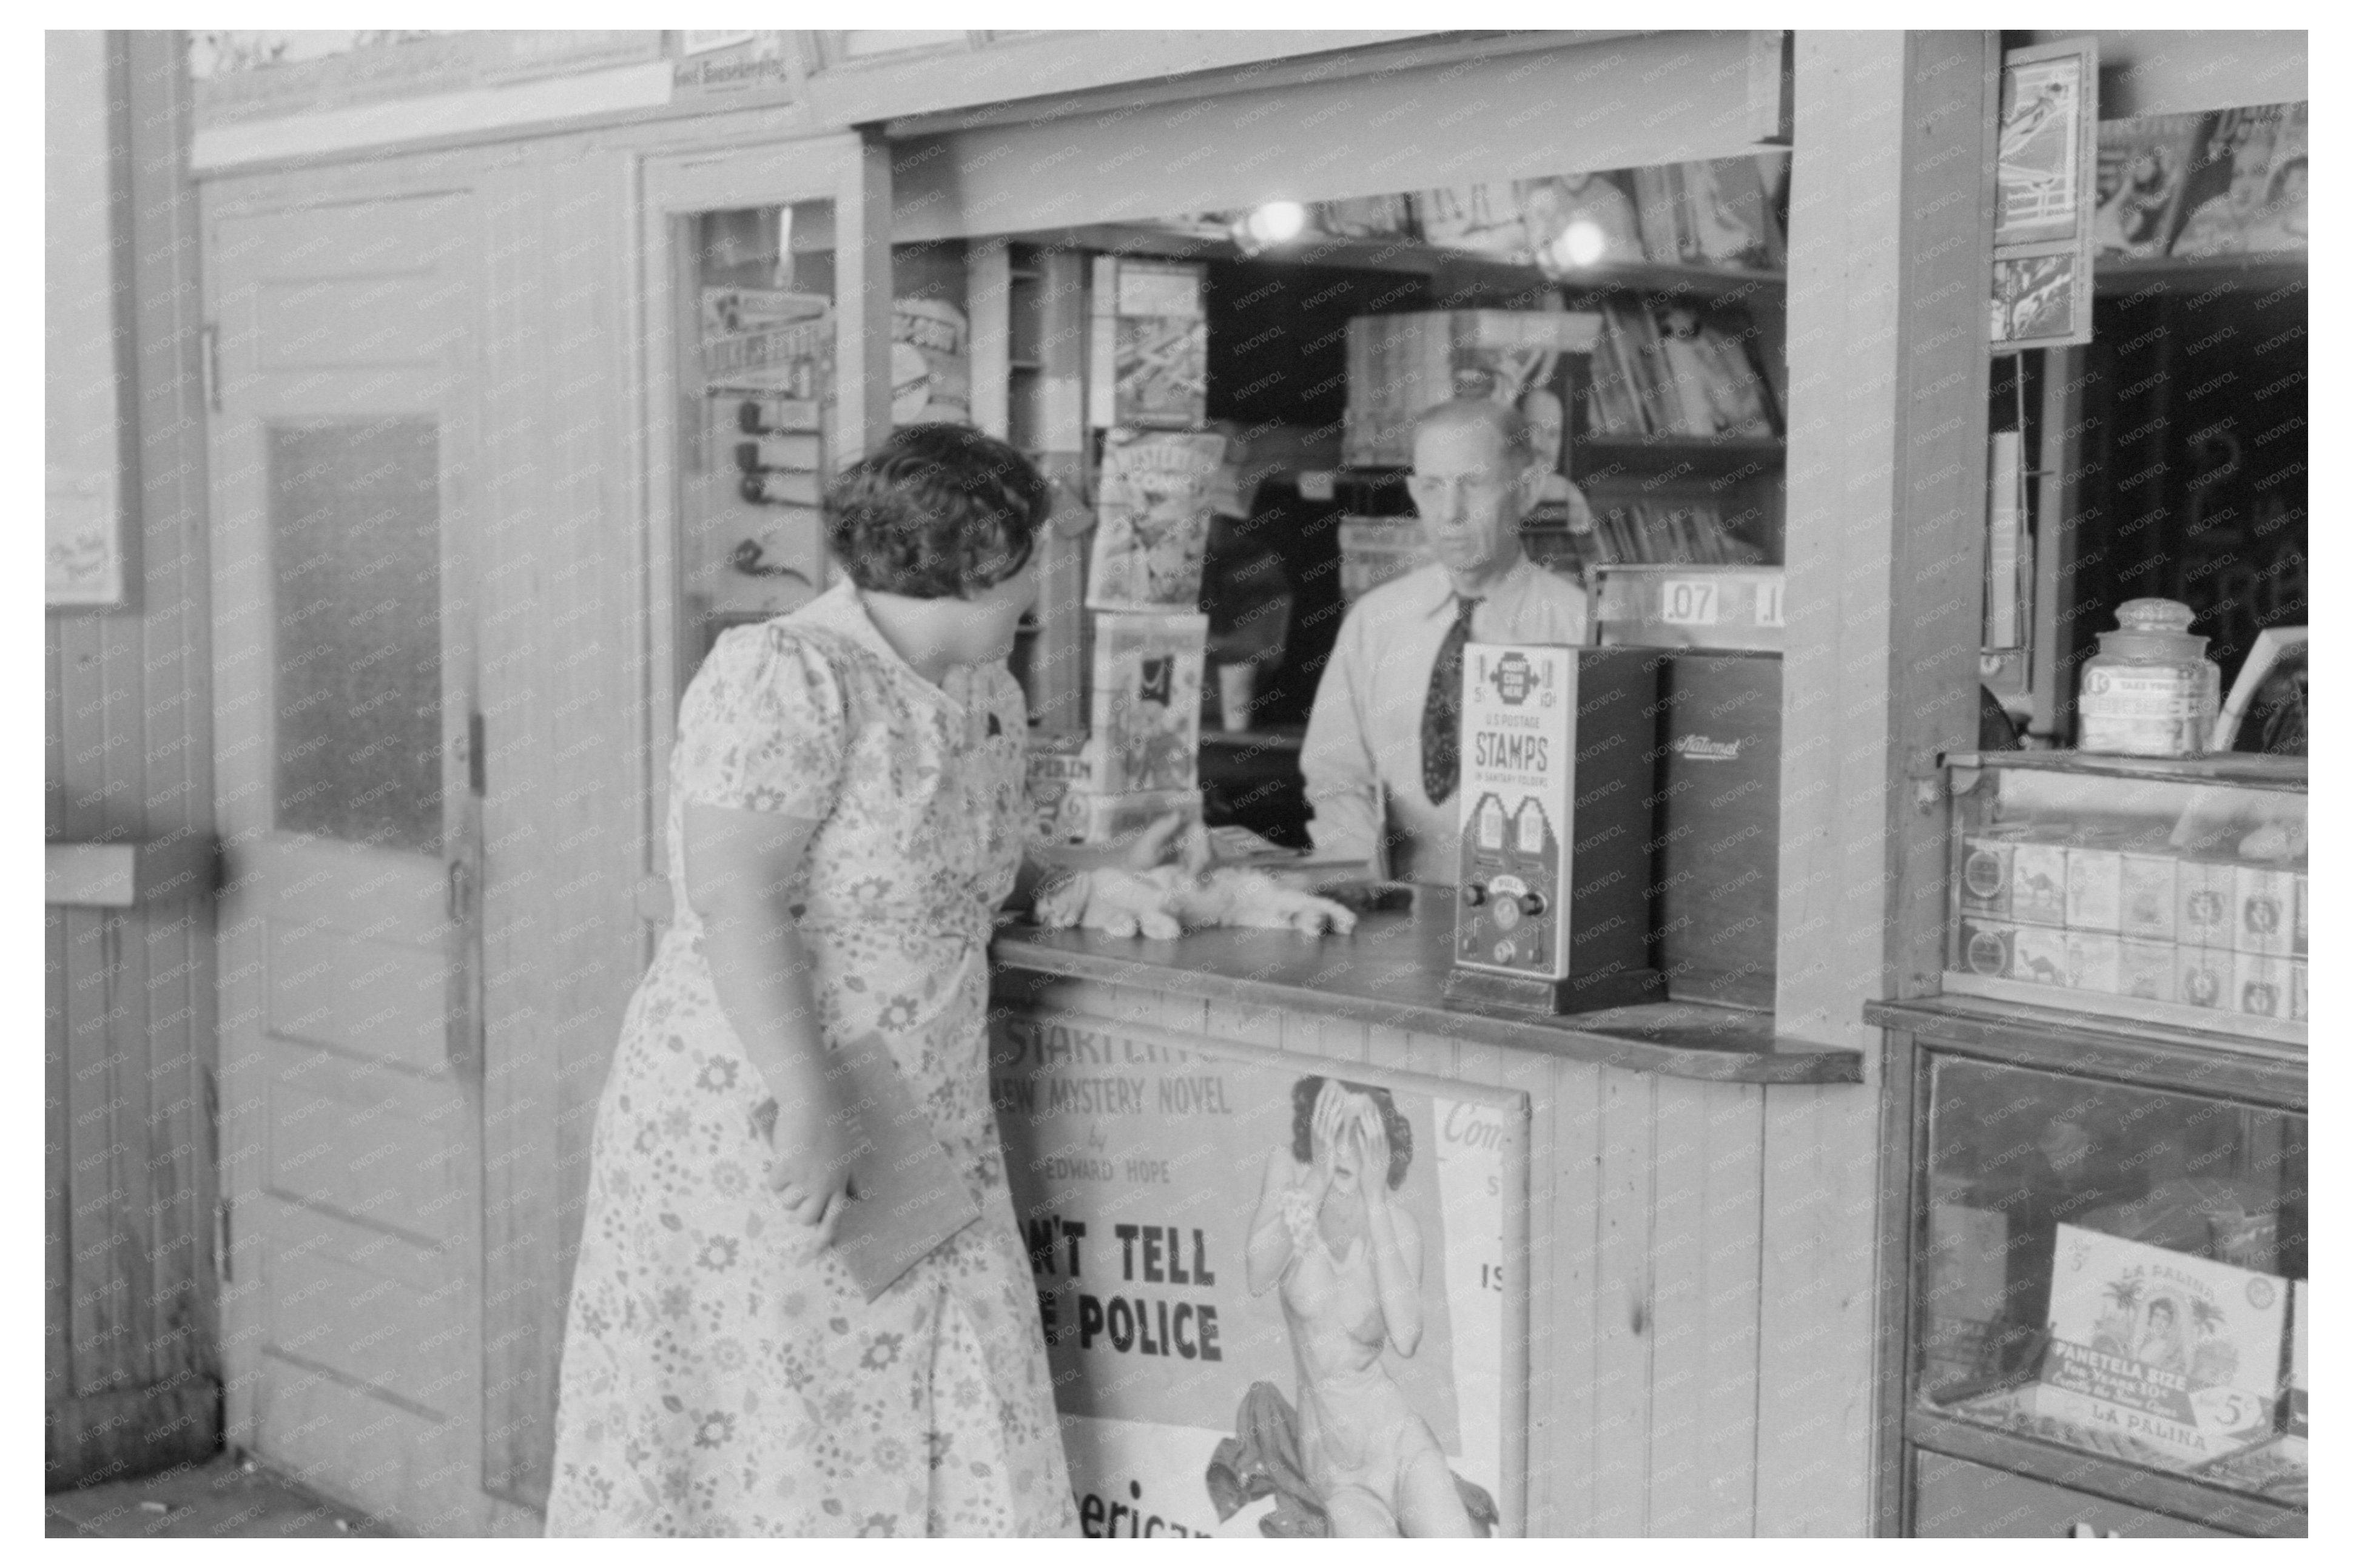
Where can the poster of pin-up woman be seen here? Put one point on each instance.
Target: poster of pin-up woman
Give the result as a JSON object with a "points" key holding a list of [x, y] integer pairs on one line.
{"points": [[1281, 1294]]}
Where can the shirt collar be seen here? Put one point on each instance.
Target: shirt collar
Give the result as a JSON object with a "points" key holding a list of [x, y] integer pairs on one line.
{"points": [[1513, 583]]}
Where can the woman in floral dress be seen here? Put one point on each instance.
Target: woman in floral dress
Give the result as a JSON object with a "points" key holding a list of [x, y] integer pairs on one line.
{"points": [[846, 813]]}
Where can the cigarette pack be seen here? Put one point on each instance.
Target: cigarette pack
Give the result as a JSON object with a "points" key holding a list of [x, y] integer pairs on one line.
{"points": [[2094, 959], [2146, 969], [2303, 942], [2262, 989], [2146, 895], [1985, 874], [2263, 911], [2299, 996], [1987, 946], [2039, 953], [2094, 887], [2204, 976], [2038, 883], [2204, 892]]}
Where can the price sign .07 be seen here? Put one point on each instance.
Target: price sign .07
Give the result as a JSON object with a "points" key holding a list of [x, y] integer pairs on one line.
{"points": [[1687, 602]]}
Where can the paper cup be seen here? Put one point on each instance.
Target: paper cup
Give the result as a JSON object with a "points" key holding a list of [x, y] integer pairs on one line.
{"points": [[1236, 684]]}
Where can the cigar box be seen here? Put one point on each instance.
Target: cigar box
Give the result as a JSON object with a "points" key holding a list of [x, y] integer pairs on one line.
{"points": [[2260, 986], [2203, 975], [2263, 911], [2146, 969], [2205, 891], [2146, 895], [1985, 874], [2039, 953], [2038, 883], [2093, 961], [2094, 887], [1987, 946]]}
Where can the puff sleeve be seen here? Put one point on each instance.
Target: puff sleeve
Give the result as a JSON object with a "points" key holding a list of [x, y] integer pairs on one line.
{"points": [[765, 725]]}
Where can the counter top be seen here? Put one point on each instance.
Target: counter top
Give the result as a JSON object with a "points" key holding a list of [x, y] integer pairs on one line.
{"points": [[1392, 971]]}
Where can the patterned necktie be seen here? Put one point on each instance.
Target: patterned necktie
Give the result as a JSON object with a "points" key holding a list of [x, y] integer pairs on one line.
{"points": [[1442, 710]]}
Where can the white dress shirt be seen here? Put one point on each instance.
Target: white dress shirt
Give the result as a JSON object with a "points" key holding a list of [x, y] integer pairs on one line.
{"points": [[1364, 735]]}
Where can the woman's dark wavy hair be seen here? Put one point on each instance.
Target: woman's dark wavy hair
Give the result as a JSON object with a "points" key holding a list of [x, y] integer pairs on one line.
{"points": [[1302, 1121], [936, 511]]}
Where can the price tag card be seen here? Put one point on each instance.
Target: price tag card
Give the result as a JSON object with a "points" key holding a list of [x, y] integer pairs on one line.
{"points": [[1687, 602]]}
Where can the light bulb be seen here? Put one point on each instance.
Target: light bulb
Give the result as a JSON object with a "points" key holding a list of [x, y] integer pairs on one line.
{"points": [[1275, 223], [1581, 244]]}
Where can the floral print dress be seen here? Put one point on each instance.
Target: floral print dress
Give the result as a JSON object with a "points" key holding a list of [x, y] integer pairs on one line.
{"points": [[718, 1377]]}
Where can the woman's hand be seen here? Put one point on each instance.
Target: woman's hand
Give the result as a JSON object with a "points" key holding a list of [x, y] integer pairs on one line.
{"points": [[1170, 839], [1325, 1126], [1372, 1134], [808, 1168]]}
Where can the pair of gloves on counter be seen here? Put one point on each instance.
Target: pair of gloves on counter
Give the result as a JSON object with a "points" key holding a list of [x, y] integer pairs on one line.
{"points": [[1141, 898]]}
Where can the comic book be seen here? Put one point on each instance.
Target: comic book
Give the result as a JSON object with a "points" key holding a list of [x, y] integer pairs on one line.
{"points": [[1149, 345], [2178, 1352], [1153, 506], [1147, 701], [2143, 168]]}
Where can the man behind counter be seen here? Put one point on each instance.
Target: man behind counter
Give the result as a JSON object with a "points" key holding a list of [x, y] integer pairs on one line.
{"points": [[1383, 735]]}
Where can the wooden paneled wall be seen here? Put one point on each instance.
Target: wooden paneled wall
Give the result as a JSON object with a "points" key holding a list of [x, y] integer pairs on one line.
{"points": [[1646, 1218], [131, 1377]]}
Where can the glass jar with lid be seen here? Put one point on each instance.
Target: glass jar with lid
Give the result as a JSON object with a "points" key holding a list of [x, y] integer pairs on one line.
{"points": [[2150, 691]]}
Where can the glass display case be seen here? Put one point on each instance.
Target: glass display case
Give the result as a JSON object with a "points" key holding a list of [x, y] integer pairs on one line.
{"points": [[2116, 1269], [2166, 890]]}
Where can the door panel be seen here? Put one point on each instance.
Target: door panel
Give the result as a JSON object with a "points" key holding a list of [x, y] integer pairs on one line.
{"points": [[344, 611]]}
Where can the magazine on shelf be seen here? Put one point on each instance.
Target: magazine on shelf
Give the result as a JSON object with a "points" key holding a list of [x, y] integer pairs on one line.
{"points": [[1153, 507], [2177, 1351], [1147, 701], [2142, 171], [1149, 345], [2245, 190]]}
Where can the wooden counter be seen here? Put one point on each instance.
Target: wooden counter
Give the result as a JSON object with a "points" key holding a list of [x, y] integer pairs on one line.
{"points": [[1391, 973], [1674, 1168]]}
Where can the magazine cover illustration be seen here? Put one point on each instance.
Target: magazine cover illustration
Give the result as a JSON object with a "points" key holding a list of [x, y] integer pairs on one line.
{"points": [[1154, 521], [2180, 1352], [1147, 700]]}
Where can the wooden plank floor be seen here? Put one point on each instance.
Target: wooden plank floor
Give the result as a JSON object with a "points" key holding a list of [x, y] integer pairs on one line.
{"points": [[220, 1499]]}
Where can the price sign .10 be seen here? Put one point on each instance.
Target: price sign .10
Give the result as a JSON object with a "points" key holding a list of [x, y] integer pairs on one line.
{"points": [[1768, 601]]}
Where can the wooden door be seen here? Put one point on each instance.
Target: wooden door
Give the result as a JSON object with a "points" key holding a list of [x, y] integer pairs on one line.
{"points": [[343, 422]]}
